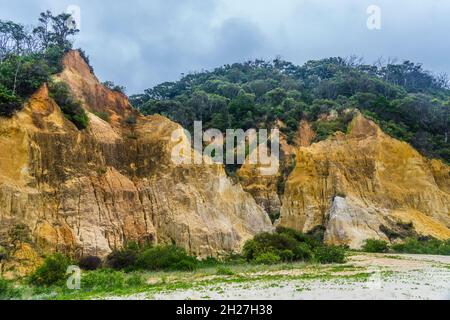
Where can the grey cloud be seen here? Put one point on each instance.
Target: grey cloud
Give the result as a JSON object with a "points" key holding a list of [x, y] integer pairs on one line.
{"points": [[141, 43]]}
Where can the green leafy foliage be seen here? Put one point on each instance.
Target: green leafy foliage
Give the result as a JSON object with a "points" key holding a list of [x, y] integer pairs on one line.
{"points": [[267, 258], [52, 271], [125, 258], [289, 245], [90, 263], [146, 257], [375, 245], [224, 271], [86, 59], [412, 245], [9, 102], [71, 108], [408, 102], [103, 279], [168, 257], [324, 129], [28, 57], [423, 246], [112, 86], [330, 254], [8, 291]]}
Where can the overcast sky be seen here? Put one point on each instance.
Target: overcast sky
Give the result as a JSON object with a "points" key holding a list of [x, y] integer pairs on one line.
{"points": [[140, 43]]}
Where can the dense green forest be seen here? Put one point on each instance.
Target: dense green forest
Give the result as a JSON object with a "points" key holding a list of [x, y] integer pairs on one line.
{"points": [[29, 56], [408, 102]]}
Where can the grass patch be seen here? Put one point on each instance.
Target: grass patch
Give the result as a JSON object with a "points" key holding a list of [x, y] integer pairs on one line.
{"points": [[103, 283], [225, 271], [8, 290], [423, 245], [375, 245]]}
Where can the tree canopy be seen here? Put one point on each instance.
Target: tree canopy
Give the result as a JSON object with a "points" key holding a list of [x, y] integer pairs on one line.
{"points": [[407, 101], [28, 59]]}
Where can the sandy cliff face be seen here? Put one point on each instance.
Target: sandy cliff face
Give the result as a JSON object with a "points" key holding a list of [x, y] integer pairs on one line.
{"points": [[367, 185], [87, 192], [266, 189]]}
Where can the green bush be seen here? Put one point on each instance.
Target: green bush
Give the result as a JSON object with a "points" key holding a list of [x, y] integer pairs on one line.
{"points": [[9, 102], [268, 242], [71, 108], [189, 264], [23, 75], [124, 258], [224, 271], [90, 263], [234, 258], [135, 280], [303, 252], [8, 291], [324, 129], [287, 255], [169, 257], [375, 245], [287, 244], [267, 258], [52, 272], [86, 59], [209, 262], [112, 86], [146, 257], [423, 246], [329, 254], [312, 239]]}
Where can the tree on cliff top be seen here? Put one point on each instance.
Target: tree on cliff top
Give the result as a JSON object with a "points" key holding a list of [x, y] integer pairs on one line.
{"points": [[408, 102], [55, 30], [29, 56]]}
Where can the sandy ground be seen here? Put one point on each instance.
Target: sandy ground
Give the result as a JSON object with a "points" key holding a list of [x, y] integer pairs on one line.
{"points": [[382, 276]]}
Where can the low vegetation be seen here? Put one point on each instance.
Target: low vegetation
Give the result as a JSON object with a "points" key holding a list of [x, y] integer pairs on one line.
{"points": [[423, 246], [52, 271], [135, 267], [107, 279], [288, 245], [147, 257], [29, 57], [114, 87], [410, 245], [8, 291], [72, 108], [375, 245], [123, 269]]}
